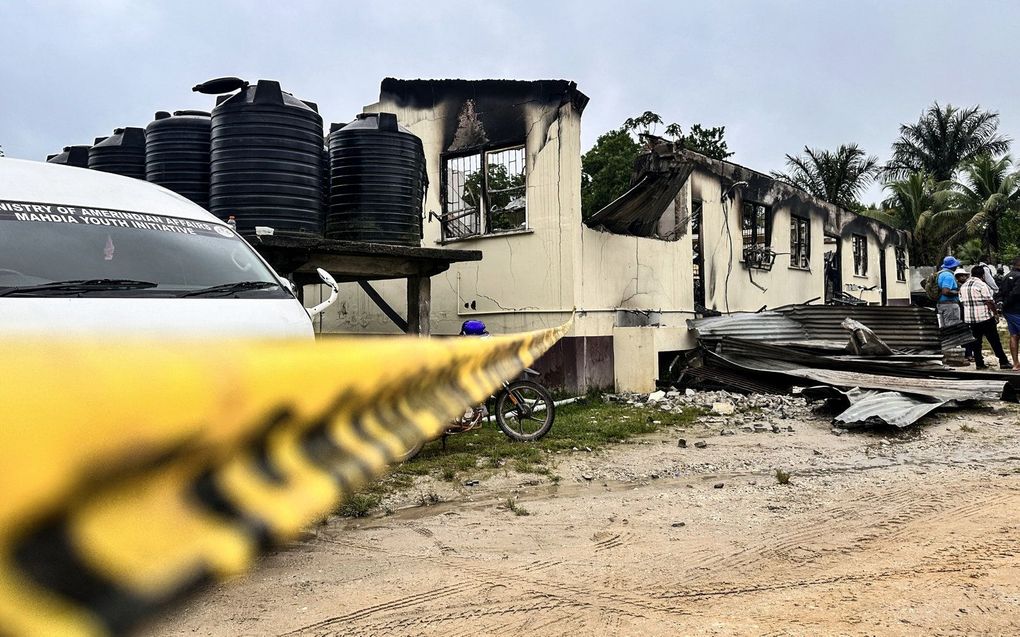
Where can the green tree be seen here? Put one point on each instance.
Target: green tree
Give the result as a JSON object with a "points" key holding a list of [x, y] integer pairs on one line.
{"points": [[706, 141], [980, 204], [911, 203], [606, 170], [838, 177], [944, 139]]}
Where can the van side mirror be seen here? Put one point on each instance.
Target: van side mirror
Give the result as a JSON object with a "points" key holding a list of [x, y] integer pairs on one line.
{"points": [[334, 293], [328, 279]]}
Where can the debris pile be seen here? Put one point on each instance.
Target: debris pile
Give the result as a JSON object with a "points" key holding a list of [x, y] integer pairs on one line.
{"points": [[883, 364], [732, 412]]}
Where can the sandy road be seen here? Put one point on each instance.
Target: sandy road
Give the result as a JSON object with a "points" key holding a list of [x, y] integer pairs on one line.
{"points": [[913, 534]]}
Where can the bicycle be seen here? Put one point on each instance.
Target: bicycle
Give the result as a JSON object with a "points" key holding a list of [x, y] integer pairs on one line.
{"points": [[517, 404]]}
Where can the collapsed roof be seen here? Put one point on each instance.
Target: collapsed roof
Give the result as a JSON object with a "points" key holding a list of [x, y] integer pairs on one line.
{"points": [[807, 346], [662, 170]]}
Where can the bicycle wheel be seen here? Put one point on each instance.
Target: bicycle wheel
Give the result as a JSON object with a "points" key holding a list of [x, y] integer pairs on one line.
{"points": [[525, 411]]}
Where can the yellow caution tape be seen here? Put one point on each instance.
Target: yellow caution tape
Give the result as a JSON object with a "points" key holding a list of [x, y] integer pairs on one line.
{"points": [[131, 474]]}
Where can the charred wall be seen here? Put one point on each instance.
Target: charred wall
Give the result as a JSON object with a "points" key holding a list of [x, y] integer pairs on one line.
{"points": [[488, 113], [765, 190]]}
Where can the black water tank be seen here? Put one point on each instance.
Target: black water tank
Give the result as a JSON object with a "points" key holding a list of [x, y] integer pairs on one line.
{"points": [[122, 153], [177, 153], [265, 158], [377, 181], [77, 156]]}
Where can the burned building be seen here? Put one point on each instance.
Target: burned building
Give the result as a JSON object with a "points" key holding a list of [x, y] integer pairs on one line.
{"points": [[692, 235]]}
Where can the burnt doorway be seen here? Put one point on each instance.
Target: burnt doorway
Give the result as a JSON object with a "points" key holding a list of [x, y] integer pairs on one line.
{"points": [[881, 276], [698, 249], [833, 256]]}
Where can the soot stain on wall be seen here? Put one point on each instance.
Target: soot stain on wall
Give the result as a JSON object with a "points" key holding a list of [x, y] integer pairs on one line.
{"points": [[486, 113]]}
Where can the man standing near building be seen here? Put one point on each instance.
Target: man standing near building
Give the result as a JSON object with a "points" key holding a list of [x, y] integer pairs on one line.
{"points": [[1011, 309], [979, 313], [949, 293], [989, 275]]}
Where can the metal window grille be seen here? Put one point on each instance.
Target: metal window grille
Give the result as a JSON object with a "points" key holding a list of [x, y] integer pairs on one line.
{"points": [[901, 264], [506, 190], [478, 201], [860, 245], [754, 225], [800, 242], [462, 215]]}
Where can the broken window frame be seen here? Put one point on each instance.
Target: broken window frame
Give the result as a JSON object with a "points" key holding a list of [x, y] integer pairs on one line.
{"points": [[901, 263], [756, 237], [800, 242], [468, 222], [859, 243]]}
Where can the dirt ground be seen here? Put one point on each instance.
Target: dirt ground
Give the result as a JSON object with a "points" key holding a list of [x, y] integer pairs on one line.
{"points": [[882, 533]]}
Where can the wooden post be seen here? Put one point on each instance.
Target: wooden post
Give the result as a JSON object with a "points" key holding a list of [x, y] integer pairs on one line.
{"points": [[419, 305]]}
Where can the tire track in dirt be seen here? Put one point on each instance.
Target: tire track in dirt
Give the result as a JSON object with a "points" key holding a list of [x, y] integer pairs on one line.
{"points": [[974, 557], [624, 603], [887, 513], [394, 605]]}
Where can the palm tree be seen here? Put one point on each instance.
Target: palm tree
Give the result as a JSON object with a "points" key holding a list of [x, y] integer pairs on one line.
{"points": [[838, 177], [978, 204], [944, 139], [911, 203]]}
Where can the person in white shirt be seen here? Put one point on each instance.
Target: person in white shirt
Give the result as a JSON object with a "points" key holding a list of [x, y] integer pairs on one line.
{"points": [[988, 277]]}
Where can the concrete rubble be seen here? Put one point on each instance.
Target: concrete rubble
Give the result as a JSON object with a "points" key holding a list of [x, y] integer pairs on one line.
{"points": [[733, 413]]}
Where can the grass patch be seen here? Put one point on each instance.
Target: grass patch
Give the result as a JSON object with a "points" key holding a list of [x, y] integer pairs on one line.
{"points": [[427, 499], [516, 509], [968, 429], [590, 423], [359, 505]]}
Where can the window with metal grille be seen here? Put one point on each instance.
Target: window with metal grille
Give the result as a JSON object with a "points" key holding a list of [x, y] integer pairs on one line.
{"points": [[860, 246], [484, 193], [754, 224], [800, 242], [901, 264]]}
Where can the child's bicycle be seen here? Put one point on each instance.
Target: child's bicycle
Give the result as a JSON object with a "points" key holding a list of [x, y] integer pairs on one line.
{"points": [[523, 409]]}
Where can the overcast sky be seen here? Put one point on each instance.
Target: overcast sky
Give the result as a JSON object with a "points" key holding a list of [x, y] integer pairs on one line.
{"points": [[778, 75]]}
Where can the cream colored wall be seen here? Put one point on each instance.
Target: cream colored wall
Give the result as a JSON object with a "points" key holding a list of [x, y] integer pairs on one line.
{"points": [[896, 289], [636, 353], [783, 284], [525, 280], [873, 277]]}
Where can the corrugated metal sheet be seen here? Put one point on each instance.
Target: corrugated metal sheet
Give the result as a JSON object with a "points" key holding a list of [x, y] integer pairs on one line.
{"points": [[760, 326], [938, 388], [890, 407], [904, 328], [638, 210], [715, 376]]}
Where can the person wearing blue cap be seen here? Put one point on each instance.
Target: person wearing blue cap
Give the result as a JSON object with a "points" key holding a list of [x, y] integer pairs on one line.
{"points": [[949, 298], [1010, 290]]}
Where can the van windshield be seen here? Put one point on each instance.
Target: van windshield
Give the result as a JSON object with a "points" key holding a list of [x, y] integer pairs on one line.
{"points": [[62, 250]]}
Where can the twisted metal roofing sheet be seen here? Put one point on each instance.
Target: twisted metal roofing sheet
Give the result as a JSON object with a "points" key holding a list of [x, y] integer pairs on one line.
{"points": [[760, 326]]}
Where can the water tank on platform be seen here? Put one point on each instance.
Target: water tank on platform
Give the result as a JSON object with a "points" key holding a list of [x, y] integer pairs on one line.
{"points": [[122, 153], [77, 156], [177, 153], [265, 158], [377, 181]]}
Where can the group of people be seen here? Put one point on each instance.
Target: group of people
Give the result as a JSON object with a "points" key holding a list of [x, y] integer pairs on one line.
{"points": [[973, 296]]}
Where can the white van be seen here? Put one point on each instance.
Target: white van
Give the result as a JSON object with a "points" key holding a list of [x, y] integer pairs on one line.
{"points": [[84, 252]]}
